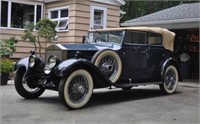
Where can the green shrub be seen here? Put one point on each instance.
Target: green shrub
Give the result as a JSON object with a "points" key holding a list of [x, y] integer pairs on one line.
{"points": [[6, 65], [8, 46]]}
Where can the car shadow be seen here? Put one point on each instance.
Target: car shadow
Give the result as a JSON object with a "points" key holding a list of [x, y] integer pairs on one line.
{"points": [[118, 96], [108, 97]]}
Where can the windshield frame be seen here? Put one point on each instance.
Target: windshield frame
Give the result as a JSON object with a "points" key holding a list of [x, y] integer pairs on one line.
{"points": [[89, 32]]}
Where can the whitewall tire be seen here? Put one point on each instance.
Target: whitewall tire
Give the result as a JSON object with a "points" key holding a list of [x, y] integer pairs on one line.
{"points": [[109, 63], [77, 89], [170, 80]]}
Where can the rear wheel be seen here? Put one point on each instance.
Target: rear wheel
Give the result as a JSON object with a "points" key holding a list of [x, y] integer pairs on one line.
{"points": [[27, 89], [76, 90], [170, 80]]}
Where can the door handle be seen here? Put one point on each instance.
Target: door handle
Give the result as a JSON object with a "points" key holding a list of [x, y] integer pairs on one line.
{"points": [[146, 53]]}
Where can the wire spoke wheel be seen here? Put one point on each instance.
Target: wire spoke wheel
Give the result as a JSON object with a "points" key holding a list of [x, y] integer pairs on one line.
{"points": [[170, 79], [27, 86], [76, 90], [27, 89]]}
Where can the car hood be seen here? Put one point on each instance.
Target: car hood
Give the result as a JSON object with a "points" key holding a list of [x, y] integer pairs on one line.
{"points": [[85, 50], [91, 47]]}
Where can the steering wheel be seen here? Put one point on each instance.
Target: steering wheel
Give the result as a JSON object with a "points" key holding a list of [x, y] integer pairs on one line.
{"points": [[98, 39]]}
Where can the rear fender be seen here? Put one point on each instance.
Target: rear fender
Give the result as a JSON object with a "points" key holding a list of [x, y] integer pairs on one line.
{"points": [[65, 68], [170, 61]]}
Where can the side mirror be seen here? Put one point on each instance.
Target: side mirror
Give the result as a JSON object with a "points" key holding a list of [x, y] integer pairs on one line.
{"points": [[32, 52], [55, 38]]}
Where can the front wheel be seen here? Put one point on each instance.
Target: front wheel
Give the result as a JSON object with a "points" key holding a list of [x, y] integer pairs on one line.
{"points": [[170, 80], [26, 89], [76, 90]]}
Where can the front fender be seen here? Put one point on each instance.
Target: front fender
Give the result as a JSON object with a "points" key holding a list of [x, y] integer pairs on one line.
{"points": [[22, 63], [65, 68]]}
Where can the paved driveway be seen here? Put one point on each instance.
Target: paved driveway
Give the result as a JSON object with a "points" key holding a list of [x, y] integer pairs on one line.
{"points": [[143, 105]]}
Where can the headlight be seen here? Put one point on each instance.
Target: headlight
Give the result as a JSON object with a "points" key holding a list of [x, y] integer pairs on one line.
{"points": [[31, 61], [51, 63], [47, 70]]}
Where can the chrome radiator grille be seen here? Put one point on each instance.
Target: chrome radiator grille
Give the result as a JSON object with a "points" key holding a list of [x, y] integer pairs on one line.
{"points": [[61, 54]]}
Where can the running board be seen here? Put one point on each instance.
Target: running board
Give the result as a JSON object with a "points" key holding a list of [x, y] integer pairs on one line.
{"points": [[136, 84]]}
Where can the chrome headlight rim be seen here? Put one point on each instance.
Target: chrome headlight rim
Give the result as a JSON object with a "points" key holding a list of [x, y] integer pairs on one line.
{"points": [[52, 61], [32, 61], [47, 70]]}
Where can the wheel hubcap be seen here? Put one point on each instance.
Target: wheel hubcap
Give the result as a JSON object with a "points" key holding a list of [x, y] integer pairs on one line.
{"points": [[108, 66], [77, 88]]}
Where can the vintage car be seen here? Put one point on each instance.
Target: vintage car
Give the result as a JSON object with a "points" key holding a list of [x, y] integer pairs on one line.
{"points": [[119, 57]]}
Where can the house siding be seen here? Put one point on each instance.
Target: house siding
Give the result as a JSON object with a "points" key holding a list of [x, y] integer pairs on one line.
{"points": [[23, 48], [113, 14], [79, 18], [79, 23]]}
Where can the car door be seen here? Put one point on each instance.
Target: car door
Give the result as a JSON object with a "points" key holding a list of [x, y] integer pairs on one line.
{"points": [[141, 57], [141, 62], [136, 56], [156, 55]]}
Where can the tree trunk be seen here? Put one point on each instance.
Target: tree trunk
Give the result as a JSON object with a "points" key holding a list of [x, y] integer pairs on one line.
{"points": [[40, 47], [35, 46]]}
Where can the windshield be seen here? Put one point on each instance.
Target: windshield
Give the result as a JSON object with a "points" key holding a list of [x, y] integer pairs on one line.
{"points": [[108, 37]]}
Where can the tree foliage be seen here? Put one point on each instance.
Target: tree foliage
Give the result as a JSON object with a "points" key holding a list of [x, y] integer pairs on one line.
{"points": [[7, 47], [136, 9], [44, 28], [29, 35]]}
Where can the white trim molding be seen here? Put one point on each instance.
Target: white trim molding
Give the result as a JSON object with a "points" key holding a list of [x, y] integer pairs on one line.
{"points": [[64, 21], [104, 19], [112, 2], [49, 1]]}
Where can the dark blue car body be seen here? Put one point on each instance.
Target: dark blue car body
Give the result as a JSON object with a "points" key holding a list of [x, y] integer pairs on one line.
{"points": [[142, 62]]}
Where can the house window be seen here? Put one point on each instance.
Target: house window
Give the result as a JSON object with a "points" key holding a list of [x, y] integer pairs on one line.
{"points": [[98, 17], [39, 13], [4, 14], [19, 15], [61, 17]]}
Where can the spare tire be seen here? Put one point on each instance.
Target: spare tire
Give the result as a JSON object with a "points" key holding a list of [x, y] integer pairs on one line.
{"points": [[109, 63]]}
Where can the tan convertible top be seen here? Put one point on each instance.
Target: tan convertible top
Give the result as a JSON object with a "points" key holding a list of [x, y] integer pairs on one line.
{"points": [[167, 36]]}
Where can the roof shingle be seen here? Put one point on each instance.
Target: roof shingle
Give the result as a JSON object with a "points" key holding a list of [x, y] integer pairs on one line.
{"points": [[183, 11]]}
